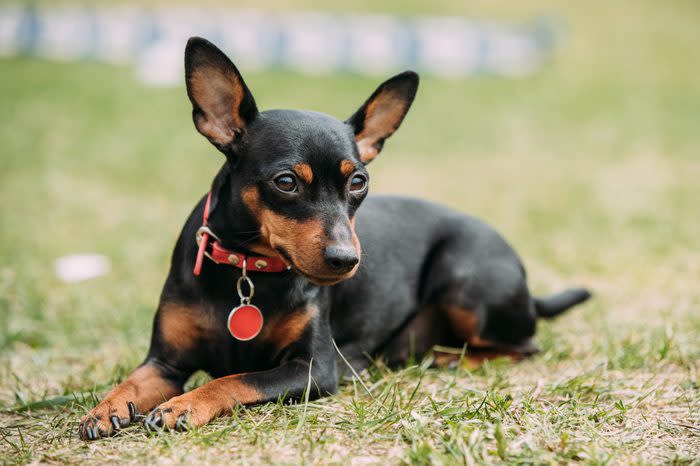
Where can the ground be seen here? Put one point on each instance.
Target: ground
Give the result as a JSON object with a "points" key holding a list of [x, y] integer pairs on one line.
{"points": [[590, 168]]}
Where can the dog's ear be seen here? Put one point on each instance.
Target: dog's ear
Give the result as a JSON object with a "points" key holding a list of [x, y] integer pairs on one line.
{"points": [[382, 114], [222, 104]]}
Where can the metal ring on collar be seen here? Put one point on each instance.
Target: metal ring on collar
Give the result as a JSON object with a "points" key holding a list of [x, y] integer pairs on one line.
{"points": [[239, 288]]}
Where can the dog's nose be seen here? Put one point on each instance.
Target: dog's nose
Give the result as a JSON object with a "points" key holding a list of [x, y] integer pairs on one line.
{"points": [[341, 258]]}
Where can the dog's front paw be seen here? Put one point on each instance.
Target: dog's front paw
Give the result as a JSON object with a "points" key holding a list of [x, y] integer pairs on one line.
{"points": [[106, 419], [179, 413]]}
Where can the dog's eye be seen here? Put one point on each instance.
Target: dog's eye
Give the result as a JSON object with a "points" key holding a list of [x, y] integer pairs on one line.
{"points": [[358, 183], [286, 183]]}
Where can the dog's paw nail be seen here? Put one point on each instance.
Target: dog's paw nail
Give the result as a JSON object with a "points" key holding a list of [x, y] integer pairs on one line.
{"points": [[115, 422], [181, 423], [85, 431], [132, 410], [154, 421], [88, 429]]}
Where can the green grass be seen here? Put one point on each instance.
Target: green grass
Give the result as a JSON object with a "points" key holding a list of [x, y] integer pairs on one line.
{"points": [[590, 168]]}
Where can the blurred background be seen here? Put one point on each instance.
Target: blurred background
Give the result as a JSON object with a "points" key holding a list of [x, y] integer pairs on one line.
{"points": [[572, 127]]}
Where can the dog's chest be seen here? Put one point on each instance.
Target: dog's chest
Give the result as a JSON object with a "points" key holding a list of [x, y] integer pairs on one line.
{"points": [[282, 333]]}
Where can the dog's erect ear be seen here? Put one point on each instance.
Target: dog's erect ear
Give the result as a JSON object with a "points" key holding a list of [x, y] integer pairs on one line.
{"points": [[382, 114], [222, 104]]}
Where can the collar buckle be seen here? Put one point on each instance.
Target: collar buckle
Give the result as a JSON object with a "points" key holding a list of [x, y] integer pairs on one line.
{"points": [[204, 233]]}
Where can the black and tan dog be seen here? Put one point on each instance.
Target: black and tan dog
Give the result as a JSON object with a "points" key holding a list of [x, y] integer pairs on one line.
{"points": [[284, 208]]}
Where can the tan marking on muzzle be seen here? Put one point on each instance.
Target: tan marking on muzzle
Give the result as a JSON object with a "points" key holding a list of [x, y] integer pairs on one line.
{"points": [[304, 241]]}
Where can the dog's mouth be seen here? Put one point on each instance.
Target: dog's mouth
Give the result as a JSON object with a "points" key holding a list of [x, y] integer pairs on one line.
{"points": [[325, 280], [322, 280]]}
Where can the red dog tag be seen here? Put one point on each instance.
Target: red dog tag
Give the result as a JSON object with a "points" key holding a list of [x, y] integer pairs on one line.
{"points": [[245, 322]]}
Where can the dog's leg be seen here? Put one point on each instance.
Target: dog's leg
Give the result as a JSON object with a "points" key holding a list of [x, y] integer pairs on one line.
{"points": [[473, 359], [451, 326], [149, 385], [220, 396], [179, 329]]}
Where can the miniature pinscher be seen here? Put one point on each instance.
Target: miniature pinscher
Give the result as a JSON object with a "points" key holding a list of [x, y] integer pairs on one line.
{"points": [[278, 269]]}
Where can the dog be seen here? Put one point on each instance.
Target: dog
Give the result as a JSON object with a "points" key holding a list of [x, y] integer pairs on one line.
{"points": [[277, 269]]}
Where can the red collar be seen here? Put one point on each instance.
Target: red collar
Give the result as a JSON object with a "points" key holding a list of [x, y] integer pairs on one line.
{"points": [[221, 255]]}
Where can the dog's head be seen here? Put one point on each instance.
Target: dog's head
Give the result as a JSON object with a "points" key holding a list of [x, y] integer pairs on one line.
{"points": [[300, 175]]}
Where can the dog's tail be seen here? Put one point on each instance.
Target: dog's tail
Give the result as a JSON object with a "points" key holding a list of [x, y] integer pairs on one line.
{"points": [[553, 305]]}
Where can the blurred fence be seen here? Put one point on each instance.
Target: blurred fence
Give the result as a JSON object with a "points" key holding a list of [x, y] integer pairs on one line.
{"points": [[154, 39]]}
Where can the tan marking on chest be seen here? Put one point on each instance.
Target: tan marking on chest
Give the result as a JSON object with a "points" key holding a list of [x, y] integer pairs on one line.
{"points": [[182, 326], [284, 330]]}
